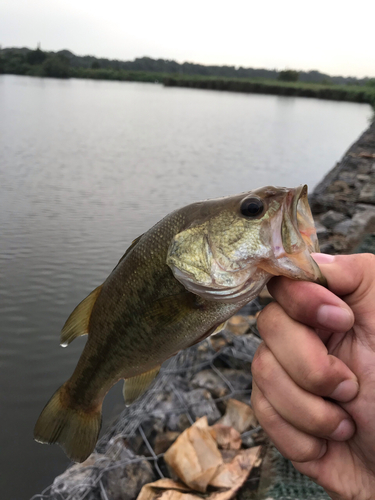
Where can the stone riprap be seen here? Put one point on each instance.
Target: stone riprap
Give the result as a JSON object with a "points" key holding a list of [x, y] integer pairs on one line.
{"points": [[343, 204]]}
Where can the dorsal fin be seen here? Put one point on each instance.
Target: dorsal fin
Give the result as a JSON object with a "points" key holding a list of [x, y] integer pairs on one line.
{"points": [[78, 322], [134, 242], [136, 386]]}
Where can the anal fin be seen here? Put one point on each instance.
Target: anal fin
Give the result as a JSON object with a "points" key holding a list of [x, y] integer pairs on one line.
{"points": [[136, 386], [78, 322]]}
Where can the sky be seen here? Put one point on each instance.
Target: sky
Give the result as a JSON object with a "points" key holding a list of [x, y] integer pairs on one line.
{"points": [[334, 37]]}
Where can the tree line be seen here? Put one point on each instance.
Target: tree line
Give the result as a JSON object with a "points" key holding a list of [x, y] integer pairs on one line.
{"points": [[65, 64]]}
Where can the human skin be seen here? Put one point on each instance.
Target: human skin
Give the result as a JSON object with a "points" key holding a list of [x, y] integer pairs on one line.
{"points": [[314, 375]]}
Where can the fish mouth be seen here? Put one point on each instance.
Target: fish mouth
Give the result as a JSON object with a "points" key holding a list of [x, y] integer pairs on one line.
{"points": [[294, 239]]}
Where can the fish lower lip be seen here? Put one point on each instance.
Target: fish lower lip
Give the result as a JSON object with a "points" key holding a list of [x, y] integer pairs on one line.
{"points": [[291, 237]]}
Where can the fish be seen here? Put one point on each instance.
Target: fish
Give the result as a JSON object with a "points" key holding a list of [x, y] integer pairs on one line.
{"points": [[176, 284]]}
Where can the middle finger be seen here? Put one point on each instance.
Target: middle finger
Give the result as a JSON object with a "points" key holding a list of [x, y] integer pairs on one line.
{"points": [[304, 357]]}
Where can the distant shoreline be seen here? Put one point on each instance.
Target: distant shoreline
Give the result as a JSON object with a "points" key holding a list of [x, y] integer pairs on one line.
{"points": [[65, 64], [346, 93], [350, 93]]}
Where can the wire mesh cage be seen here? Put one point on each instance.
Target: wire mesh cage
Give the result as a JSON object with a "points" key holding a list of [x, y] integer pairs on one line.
{"points": [[197, 382]]}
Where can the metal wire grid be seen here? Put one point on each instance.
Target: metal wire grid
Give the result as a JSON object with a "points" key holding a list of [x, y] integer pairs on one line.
{"points": [[185, 365]]}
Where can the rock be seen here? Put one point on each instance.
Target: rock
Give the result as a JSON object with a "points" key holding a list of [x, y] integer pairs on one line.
{"points": [[200, 403], [152, 427], [364, 177], [363, 223], [218, 342], [123, 480], [332, 218], [366, 245], [367, 193], [164, 441], [247, 345], [239, 380], [348, 177], [321, 231], [343, 227], [178, 422], [208, 379], [327, 247], [247, 440], [340, 243], [339, 187], [78, 481], [364, 168]]}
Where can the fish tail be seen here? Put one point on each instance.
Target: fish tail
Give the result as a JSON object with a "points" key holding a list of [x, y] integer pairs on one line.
{"points": [[74, 429]]}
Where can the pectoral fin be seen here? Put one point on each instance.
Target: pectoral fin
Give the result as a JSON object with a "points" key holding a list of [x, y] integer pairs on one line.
{"points": [[78, 322], [219, 328], [136, 386]]}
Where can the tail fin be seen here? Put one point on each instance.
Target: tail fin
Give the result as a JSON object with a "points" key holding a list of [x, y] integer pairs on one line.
{"points": [[75, 430]]}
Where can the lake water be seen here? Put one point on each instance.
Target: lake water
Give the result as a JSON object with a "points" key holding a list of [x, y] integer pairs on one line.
{"points": [[87, 166]]}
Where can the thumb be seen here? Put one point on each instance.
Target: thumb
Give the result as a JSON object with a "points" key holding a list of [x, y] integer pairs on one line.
{"points": [[352, 277]]}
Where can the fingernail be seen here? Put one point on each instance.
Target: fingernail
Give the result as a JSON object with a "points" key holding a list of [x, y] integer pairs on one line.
{"points": [[323, 258], [344, 431], [345, 391], [333, 317]]}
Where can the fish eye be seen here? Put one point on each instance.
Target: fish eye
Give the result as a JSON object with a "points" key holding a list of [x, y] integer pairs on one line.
{"points": [[252, 207]]}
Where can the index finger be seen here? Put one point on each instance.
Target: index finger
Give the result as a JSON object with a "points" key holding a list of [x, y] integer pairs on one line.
{"points": [[352, 277], [312, 305]]}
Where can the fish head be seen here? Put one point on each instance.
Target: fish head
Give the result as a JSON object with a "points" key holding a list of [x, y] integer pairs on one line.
{"points": [[232, 246]]}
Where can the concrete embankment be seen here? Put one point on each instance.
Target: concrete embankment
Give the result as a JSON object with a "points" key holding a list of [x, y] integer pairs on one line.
{"points": [[343, 204]]}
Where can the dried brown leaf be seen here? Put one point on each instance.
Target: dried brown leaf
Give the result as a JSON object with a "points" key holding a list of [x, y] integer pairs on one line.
{"points": [[239, 416], [194, 456], [226, 437]]}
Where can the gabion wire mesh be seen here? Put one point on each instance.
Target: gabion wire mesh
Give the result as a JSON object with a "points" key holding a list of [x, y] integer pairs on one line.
{"points": [[289, 484], [165, 400]]}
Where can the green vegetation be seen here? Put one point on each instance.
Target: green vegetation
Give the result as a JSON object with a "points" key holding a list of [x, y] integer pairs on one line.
{"points": [[64, 64], [289, 75], [352, 93]]}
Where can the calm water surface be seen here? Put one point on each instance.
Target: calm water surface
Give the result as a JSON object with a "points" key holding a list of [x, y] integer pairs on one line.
{"points": [[85, 167]]}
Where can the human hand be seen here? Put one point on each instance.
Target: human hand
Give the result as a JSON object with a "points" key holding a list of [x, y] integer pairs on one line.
{"points": [[318, 346]]}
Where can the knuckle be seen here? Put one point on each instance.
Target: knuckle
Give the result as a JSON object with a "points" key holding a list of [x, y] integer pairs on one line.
{"points": [[322, 378], [260, 366], [321, 421], [303, 450], [316, 423], [265, 414], [269, 319]]}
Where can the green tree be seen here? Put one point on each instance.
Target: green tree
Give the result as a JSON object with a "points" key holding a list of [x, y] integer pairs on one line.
{"points": [[56, 66], [36, 56], [15, 63], [289, 75], [95, 65]]}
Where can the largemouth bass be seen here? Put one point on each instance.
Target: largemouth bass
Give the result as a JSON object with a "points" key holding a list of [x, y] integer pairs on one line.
{"points": [[175, 285]]}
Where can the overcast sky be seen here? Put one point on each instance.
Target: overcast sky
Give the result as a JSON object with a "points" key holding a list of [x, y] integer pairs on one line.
{"points": [[335, 37]]}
